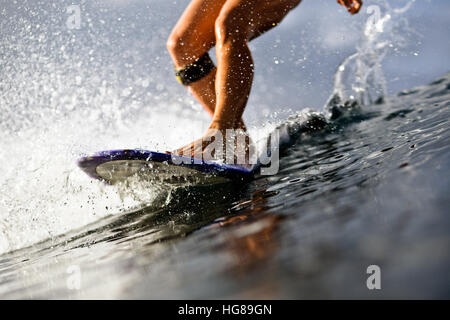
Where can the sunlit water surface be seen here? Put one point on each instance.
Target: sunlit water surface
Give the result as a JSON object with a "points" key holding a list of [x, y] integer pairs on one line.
{"points": [[372, 190], [367, 187]]}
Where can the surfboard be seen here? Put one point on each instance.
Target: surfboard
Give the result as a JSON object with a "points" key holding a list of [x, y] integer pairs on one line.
{"points": [[115, 166]]}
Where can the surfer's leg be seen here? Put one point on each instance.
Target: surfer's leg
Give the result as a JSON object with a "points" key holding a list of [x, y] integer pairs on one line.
{"points": [[191, 38], [240, 21]]}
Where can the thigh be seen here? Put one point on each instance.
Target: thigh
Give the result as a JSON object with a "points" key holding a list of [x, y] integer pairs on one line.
{"points": [[196, 25], [272, 12], [254, 17]]}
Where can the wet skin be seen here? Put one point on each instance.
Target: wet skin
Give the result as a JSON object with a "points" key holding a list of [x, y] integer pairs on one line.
{"points": [[228, 25]]}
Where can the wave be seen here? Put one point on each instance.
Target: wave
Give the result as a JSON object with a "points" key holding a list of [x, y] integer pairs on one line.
{"points": [[58, 102]]}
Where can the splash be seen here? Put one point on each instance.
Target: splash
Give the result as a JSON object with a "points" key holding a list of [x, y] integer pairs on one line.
{"points": [[66, 93], [359, 79]]}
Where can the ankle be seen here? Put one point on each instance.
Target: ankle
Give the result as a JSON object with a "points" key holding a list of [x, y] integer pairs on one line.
{"points": [[228, 124], [222, 124]]}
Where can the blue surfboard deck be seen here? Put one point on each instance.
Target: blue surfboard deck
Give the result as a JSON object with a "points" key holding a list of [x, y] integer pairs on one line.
{"points": [[114, 166]]}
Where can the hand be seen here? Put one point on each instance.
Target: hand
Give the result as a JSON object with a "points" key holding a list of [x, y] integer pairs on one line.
{"points": [[352, 6]]}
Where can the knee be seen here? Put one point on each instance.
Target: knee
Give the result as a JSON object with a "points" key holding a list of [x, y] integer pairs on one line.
{"points": [[175, 44], [231, 26], [184, 47]]}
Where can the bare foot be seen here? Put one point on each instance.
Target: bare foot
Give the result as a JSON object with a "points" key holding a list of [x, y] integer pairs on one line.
{"points": [[228, 145]]}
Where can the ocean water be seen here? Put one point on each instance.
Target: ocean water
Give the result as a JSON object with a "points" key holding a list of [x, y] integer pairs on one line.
{"points": [[369, 186]]}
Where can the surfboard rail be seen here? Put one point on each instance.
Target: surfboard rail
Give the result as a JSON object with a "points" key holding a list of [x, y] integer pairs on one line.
{"points": [[90, 164]]}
